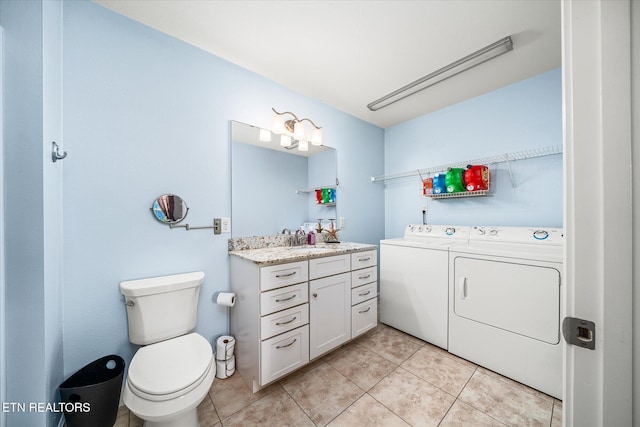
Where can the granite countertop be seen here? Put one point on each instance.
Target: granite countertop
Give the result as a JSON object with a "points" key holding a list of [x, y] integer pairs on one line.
{"points": [[282, 254]]}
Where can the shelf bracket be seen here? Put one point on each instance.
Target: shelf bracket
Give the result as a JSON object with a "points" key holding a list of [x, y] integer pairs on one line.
{"points": [[513, 183]]}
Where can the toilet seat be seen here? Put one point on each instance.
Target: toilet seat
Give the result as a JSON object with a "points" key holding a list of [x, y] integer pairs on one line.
{"points": [[171, 368]]}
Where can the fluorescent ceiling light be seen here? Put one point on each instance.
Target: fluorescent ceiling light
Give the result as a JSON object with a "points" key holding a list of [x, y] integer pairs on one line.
{"points": [[469, 61]]}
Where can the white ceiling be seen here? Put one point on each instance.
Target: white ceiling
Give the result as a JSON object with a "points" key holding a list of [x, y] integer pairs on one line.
{"points": [[349, 53]]}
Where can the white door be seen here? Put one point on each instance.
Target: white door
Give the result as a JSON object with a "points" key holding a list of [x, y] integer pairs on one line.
{"points": [[598, 213], [329, 313]]}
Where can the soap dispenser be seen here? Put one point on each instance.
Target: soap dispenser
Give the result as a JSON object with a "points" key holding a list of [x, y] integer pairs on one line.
{"points": [[311, 238]]}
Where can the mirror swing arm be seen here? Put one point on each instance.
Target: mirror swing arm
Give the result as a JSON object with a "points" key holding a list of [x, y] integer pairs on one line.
{"points": [[215, 226]]}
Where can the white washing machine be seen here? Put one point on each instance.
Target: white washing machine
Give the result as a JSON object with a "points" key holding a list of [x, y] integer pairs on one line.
{"points": [[414, 280], [505, 303]]}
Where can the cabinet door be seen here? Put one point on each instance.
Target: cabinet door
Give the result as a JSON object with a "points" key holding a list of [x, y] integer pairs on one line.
{"points": [[329, 313]]}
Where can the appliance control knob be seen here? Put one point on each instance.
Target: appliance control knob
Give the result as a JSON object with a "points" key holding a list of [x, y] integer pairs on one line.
{"points": [[450, 231], [493, 232], [481, 231], [540, 234], [427, 229], [412, 228], [420, 229]]}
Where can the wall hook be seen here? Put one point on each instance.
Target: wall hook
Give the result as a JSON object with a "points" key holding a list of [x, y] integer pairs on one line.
{"points": [[55, 152]]}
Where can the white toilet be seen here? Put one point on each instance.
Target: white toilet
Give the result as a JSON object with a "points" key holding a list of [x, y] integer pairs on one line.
{"points": [[168, 377]]}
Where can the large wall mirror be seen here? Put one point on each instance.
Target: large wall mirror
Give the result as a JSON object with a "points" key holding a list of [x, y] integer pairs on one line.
{"points": [[273, 187]]}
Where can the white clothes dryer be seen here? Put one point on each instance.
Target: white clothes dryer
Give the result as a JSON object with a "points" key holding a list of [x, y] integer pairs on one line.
{"points": [[505, 303], [414, 280]]}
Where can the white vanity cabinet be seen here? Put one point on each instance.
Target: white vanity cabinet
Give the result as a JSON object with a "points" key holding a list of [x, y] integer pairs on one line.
{"points": [[289, 313], [364, 292]]}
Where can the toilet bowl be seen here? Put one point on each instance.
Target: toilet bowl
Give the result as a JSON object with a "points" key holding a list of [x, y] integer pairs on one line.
{"points": [[172, 373], [168, 380]]}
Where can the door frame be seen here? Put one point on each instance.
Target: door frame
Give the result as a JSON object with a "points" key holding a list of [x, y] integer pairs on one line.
{"points": [[3, 346], [596, 56]]}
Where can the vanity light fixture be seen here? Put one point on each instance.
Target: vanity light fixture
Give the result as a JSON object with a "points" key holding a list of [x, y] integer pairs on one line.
{"points": [[294, 127], [285, 140], [265, 135], [476, 58]]}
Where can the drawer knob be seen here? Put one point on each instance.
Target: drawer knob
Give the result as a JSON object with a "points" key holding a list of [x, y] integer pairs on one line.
{"points": [[315, 295]]}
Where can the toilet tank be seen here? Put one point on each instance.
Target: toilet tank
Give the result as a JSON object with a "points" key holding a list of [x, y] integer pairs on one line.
{"points": [[160, 308]]}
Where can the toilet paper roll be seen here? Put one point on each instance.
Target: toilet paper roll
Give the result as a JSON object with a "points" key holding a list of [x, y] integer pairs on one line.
{"points": [[225, 368], [226, 298], [224, 347]]}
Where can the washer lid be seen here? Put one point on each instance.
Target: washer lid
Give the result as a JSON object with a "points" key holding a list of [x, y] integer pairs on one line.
{"points": [[170, 366]]}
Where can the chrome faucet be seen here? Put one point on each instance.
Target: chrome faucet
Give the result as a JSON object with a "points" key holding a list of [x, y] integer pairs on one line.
{"points": [[300, 238], [287, 231]]}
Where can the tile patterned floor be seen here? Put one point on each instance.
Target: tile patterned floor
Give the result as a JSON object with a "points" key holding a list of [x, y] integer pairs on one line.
{"points": [[384, 378]]}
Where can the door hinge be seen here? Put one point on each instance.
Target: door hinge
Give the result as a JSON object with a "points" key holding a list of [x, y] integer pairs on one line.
{"points": [[579, 332]]}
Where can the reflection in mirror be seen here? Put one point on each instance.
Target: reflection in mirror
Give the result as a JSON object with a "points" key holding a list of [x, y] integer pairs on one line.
{"points": [[169, 209], [274, 187]]}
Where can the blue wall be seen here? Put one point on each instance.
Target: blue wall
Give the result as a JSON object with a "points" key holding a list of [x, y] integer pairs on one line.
{"points": [[33, 206], [521, 116], [146, 114]]}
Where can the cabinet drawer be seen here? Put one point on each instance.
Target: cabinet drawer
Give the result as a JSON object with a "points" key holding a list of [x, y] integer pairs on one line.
{"points": [[284, 321], [328, 266], [277, 276], [279, 299], [363, 293], [283, 354], [364, 259], [364, 316], [364, 276]]}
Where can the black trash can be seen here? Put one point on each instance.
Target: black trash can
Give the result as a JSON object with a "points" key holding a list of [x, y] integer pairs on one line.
{"points": [[91, 396]]}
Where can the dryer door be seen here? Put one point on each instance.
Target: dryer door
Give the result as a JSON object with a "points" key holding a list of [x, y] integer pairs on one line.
{"points": [[520, 298]]}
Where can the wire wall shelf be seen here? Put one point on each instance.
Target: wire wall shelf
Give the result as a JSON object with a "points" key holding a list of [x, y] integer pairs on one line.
{"points": [[458, 195], [519, 155], [314, 189]]}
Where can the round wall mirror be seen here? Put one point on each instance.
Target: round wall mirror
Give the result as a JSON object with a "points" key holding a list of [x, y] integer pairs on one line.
{"points": [[169, 209]]}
